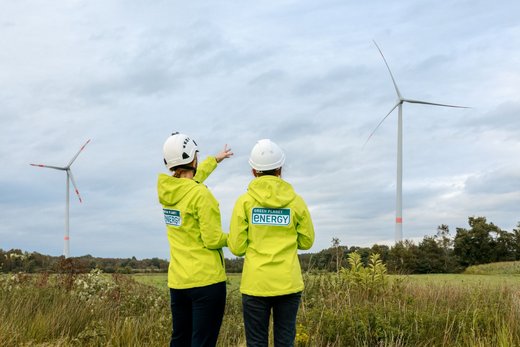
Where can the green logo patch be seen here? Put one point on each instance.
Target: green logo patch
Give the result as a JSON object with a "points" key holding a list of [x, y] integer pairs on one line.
{"points": [[172, 217], [271, 216]]}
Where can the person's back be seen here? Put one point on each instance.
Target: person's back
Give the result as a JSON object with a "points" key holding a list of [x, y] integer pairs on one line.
{"points": [[196, 275], [196, 257], [278, 224], [269, 224]]}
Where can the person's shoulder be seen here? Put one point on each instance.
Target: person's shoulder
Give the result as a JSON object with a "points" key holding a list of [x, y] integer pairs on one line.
{"points": [[200, 188], [201, 196], [244, 197], [299, 200]]}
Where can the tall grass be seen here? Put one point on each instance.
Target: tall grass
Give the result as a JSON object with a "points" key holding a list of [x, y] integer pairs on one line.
{"points": [[361, 306], [336, 314], [95, 311], [505, 267], [338, 311]]}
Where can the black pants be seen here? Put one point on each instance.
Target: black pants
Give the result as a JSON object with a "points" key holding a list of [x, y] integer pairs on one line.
{"points": [[257, 311], [197, 315]]}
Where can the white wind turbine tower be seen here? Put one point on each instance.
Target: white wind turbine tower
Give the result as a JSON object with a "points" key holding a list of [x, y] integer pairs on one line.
{"points": [[71, 179], [399, 105]]}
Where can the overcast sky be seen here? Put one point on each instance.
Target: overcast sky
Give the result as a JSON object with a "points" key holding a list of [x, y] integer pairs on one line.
{"points": [[304, 73]]}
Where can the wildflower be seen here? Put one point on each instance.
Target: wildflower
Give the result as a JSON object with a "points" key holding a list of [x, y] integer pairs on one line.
{"points": [[302, 337]]}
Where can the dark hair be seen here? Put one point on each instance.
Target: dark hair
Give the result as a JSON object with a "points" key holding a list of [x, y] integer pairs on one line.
{"points": [[273, 172], [179, 169]]}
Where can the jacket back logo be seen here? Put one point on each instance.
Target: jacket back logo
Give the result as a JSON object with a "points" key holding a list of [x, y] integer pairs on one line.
{"points": [[172, 217], [271, 216]]}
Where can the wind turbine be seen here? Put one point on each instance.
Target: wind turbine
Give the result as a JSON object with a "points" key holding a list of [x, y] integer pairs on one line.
{"points": [[70, 178], [399, 185]]}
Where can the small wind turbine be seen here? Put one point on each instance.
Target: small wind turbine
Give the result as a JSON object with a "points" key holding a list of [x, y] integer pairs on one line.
{"points": [[71, 179], [399, 188]]}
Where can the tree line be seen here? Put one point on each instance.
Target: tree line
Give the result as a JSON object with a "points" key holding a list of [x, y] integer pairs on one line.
{"points": [[16, 260], [483, 242]]}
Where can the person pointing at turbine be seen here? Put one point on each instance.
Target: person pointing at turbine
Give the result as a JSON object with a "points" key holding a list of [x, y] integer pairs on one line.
{"points": [[196, 274], [268, 225]]}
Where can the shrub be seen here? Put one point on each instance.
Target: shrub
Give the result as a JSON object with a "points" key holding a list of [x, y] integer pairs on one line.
{"points": [[362, 306], [370, 280], [96, 310]]}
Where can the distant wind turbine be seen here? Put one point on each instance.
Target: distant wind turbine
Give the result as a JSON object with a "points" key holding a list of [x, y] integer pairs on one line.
{"points": [[399, 105], [70, 178]]}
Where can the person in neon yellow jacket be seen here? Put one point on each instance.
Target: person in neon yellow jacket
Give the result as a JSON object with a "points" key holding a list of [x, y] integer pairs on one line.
{"points": [[196, 274], [268, 225]]}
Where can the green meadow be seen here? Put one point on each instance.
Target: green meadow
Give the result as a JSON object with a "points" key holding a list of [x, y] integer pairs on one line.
{"points": [[360, 306], [160, 280]]}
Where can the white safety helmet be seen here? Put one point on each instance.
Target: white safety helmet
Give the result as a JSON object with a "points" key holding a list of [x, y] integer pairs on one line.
{"points": [[266, 155], [179, 150]]}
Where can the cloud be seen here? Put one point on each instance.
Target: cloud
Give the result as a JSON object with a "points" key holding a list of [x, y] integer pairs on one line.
{"points": [[504, 117], [306, 75], [495, 182]]}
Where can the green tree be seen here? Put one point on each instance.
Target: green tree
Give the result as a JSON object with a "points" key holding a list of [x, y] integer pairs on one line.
{"points": [[430, 256], [516, 241], [364, 252], [476, 245], [445, 242], [234, 265], [382, 250], [403, 257], [504, 249], [338, 253]]}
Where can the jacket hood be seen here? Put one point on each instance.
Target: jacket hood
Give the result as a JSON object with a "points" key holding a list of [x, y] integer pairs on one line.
{"points": [[171, 189], [271, 191]]}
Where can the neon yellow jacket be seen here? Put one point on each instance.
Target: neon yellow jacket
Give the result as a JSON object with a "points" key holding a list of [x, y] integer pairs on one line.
{"points": [[192, 218], [269, 224]]}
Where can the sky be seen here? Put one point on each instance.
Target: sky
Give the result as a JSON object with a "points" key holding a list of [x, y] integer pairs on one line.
{"points": [[306, 74]]}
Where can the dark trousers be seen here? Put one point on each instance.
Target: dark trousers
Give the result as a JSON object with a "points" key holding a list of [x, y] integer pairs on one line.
{"points": [[257, 311], [197, 315]]}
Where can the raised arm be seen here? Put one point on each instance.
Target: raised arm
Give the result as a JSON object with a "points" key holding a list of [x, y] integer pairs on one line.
{"points": [[206, 167], [224, 154]]}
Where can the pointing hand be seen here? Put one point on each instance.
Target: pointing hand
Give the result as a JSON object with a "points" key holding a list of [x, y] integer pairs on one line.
{"points": [[225, 153]]}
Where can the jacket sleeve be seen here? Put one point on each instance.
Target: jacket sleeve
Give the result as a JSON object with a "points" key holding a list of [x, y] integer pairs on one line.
{"points": [[304, 227], [204, 169], [238, 229], [208, 214]]}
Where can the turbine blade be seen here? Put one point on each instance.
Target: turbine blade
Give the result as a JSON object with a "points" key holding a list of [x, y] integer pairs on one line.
{"points": [[74, 158], [49, 167], [390, 71], [74, 185], [432, 103], [381, 122]]}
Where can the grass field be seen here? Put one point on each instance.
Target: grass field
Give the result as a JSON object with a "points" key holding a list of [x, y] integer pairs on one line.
{"points": [[504, 268], [157, 280], [160, 280], [465, 279], [347, 309], [414, 310]]}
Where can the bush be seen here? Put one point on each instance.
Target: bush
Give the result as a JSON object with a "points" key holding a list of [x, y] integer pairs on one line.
{"points": [[96, 310], [362, 306]]}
